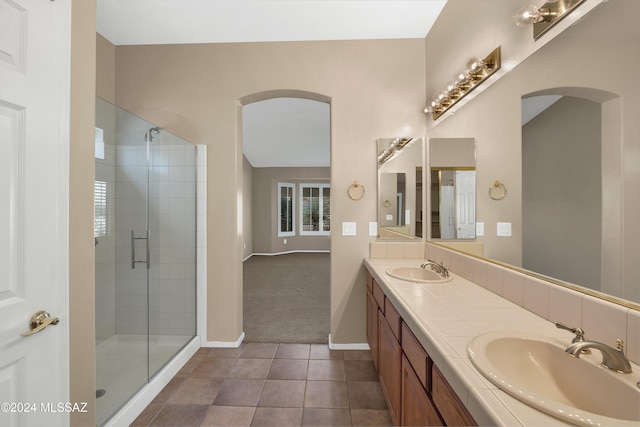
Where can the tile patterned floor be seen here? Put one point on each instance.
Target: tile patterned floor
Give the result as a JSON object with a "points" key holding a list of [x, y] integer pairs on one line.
{"points": [[265, 384]]}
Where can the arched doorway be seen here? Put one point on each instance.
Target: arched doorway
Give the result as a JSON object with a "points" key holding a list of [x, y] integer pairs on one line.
{"points": [[286, 217]]}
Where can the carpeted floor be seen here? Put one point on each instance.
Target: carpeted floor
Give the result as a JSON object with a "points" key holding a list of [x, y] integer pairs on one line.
{"points": [[286, 298]]}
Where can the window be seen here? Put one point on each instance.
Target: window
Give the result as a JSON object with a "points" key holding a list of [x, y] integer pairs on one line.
{"points": [[99, 140], [100, 209], [286, 211], [315, 217]]}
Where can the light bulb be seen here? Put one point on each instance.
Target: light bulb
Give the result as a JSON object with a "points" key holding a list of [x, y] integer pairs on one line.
{"points": [[450, 88], [475, 65], [527, 15], [462, 79]]}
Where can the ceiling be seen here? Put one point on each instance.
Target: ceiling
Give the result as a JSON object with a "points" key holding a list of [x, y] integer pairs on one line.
{"points": [[285, 131], [131, 22]]}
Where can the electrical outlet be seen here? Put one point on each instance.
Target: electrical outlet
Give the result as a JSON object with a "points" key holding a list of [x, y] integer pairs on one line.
{"points": [[479, 229]]}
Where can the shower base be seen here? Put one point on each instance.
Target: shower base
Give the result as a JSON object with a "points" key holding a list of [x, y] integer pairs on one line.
{"points": [[121, 366]]}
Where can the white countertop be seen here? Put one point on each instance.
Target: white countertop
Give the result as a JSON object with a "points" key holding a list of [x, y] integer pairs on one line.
{"points": [[444, 317]]}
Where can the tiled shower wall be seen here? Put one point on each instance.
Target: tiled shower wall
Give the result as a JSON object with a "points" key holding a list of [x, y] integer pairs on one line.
{"points": [[105, 271], [171, 305], [173, 239], [601, 320]]}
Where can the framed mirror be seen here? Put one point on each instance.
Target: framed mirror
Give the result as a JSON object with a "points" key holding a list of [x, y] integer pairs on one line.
{"points": [[571, 171], [452, 184], [400, 188]]}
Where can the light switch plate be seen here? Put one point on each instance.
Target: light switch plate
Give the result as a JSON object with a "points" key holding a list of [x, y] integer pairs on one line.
{"points": [[479, 229], [348, 228], [504, 229], [373, 229]]}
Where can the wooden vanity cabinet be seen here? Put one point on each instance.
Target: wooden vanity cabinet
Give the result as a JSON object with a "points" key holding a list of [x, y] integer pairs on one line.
{"points": [[416, 392], [417, 409], [389, 362], [452, 410], [372, 327]]}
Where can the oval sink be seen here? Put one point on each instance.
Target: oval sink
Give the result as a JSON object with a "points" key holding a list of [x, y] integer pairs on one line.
{"points": [[417, 274], [540, 374]]}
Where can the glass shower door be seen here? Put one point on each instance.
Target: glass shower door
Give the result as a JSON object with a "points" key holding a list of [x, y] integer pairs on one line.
{"points": [[172, 225], [145, 235], [121, 303]]}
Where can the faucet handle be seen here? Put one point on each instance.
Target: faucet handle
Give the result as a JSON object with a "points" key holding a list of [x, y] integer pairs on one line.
{"points": [[577, 331], [620, 345]]}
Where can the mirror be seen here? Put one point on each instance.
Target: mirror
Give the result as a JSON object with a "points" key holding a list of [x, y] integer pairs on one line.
{"points": [[452, 186], [399, 188], [571, 206]]}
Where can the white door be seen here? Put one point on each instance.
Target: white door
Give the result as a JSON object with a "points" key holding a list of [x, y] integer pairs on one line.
{"points": [[34, 165], [447, 226], [466, 204]]}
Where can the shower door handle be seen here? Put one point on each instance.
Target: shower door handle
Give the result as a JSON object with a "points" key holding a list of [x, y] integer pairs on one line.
{"points": [[135, 261]]}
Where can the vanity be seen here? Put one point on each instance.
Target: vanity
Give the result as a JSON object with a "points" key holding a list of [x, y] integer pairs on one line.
{"points": [[416, 392], [419, 335], [526, 249]]}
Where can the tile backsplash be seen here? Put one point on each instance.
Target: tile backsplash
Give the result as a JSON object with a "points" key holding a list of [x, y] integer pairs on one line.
{"points": [[601, 320]]}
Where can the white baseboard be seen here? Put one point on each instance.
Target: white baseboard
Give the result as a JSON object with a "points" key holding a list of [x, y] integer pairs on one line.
{"points": [[350, 346], [145, 396], [311, 251], [226, 344]]}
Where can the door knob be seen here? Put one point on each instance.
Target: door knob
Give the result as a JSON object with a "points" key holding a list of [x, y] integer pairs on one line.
{"points": [[40, 320]]}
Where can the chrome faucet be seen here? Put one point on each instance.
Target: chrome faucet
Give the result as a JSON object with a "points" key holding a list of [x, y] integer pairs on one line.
{"points": [[437, 267], [612, 358], [577, 331]]}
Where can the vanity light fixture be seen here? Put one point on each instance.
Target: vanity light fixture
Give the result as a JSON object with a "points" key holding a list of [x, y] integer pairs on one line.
{"points": [[476, 72], [545, 17], [395, 148]]}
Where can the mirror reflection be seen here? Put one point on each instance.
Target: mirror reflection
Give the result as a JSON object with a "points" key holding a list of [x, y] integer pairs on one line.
{"points": [[399, 188], [453, 188], [562, 193], [571, 171]]}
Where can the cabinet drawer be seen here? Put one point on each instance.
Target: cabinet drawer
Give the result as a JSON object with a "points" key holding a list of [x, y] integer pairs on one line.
{"points": [[415, 354], [369, 281], [393, 317], [451, 408], [378, 295]]}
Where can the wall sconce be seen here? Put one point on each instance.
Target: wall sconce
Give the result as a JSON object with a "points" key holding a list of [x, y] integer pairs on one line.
{"points": [[395, 148], [545, 17], [477, 71]]}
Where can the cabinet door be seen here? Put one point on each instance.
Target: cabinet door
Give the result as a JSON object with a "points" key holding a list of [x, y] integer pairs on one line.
{"points": [[417, 409], [389, 367], [372, 327], [451, 408]]}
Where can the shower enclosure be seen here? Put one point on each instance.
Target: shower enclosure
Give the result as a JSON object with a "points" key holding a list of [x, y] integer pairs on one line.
{"points": [[145, 243]]}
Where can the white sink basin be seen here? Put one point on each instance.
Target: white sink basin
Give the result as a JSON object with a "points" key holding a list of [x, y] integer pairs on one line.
{"points": [[417, 274], [542, 375]]}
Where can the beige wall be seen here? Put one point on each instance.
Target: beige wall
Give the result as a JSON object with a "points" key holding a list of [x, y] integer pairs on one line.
{"points": [[610, 34], [247, 208], [265, 209], [81, 175], [105, 69], [376, 88]]}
